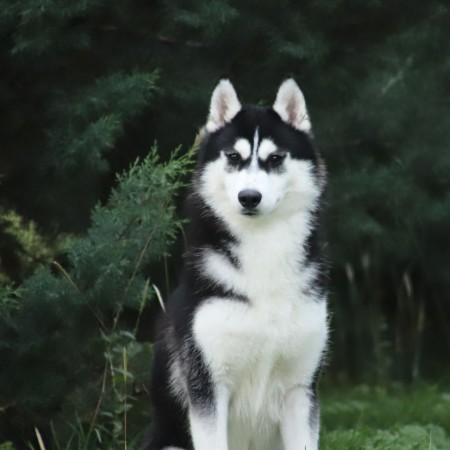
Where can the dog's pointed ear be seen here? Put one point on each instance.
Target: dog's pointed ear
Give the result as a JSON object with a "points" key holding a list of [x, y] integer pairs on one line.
{"points": [[291, 106], [224, 106]]}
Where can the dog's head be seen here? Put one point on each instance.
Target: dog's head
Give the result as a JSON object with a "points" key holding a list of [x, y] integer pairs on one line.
{"points": [[259, 162]]}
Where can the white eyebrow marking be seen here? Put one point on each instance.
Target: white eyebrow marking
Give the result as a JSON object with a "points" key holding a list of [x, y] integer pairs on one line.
{"points": [[242, 146], [266, 148]]}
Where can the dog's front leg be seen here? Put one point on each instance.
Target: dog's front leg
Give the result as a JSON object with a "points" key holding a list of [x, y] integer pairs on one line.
{"points": [[209, 424], [299, 424]]}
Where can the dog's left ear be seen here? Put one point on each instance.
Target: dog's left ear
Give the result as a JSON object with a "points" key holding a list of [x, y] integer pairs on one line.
{"points": [[291, 106], [224, 106]]}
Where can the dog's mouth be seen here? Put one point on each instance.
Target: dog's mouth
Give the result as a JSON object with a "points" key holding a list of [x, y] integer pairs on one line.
{"points": [[249, 212]]}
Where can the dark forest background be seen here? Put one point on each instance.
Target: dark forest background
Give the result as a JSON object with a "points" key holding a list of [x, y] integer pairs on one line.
{"points": [[101, 102]]}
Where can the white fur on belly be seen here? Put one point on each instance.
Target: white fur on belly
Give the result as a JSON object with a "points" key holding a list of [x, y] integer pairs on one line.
{"points": [[262, 349], [260, 354]]}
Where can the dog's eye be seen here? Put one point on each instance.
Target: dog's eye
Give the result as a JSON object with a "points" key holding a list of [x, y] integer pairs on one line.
{"points": [[233, 157], [276, 158]]}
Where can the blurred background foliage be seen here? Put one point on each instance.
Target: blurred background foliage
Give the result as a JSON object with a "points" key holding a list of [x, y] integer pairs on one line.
{"points": [[87, 87]]}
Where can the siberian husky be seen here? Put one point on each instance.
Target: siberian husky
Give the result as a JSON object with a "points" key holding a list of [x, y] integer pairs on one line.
{"points": [[244, 335]]}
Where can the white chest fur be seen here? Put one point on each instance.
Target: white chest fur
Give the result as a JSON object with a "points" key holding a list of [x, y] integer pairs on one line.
{"points": [[263, 348]]}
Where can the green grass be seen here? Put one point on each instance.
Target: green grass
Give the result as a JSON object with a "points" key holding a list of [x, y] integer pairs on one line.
{"points": [[394, 418], [353, 418]]}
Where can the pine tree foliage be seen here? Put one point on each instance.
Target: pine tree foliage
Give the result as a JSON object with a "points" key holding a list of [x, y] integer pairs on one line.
{"points": [[205, 19], [89, 122], [22, 247], [33, 18], [69, 99], [139, 220], [63, 322]]}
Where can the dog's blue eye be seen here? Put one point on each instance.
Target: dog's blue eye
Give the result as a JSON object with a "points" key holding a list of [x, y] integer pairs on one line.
{"points": [[233, 157]]}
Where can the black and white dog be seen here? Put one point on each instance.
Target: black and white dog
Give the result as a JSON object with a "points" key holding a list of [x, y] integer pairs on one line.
{"points": [[244, 335]]}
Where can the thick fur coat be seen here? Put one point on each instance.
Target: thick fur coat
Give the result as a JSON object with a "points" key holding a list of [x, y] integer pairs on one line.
{"points": [[243, 338]]}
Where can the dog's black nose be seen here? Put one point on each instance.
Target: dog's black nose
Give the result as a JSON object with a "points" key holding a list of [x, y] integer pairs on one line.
{"points": [[249, 198]]}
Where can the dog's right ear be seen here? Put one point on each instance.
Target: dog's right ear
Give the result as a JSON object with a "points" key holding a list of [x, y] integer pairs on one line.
{"points": [[224, 106], [291, 107]]}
